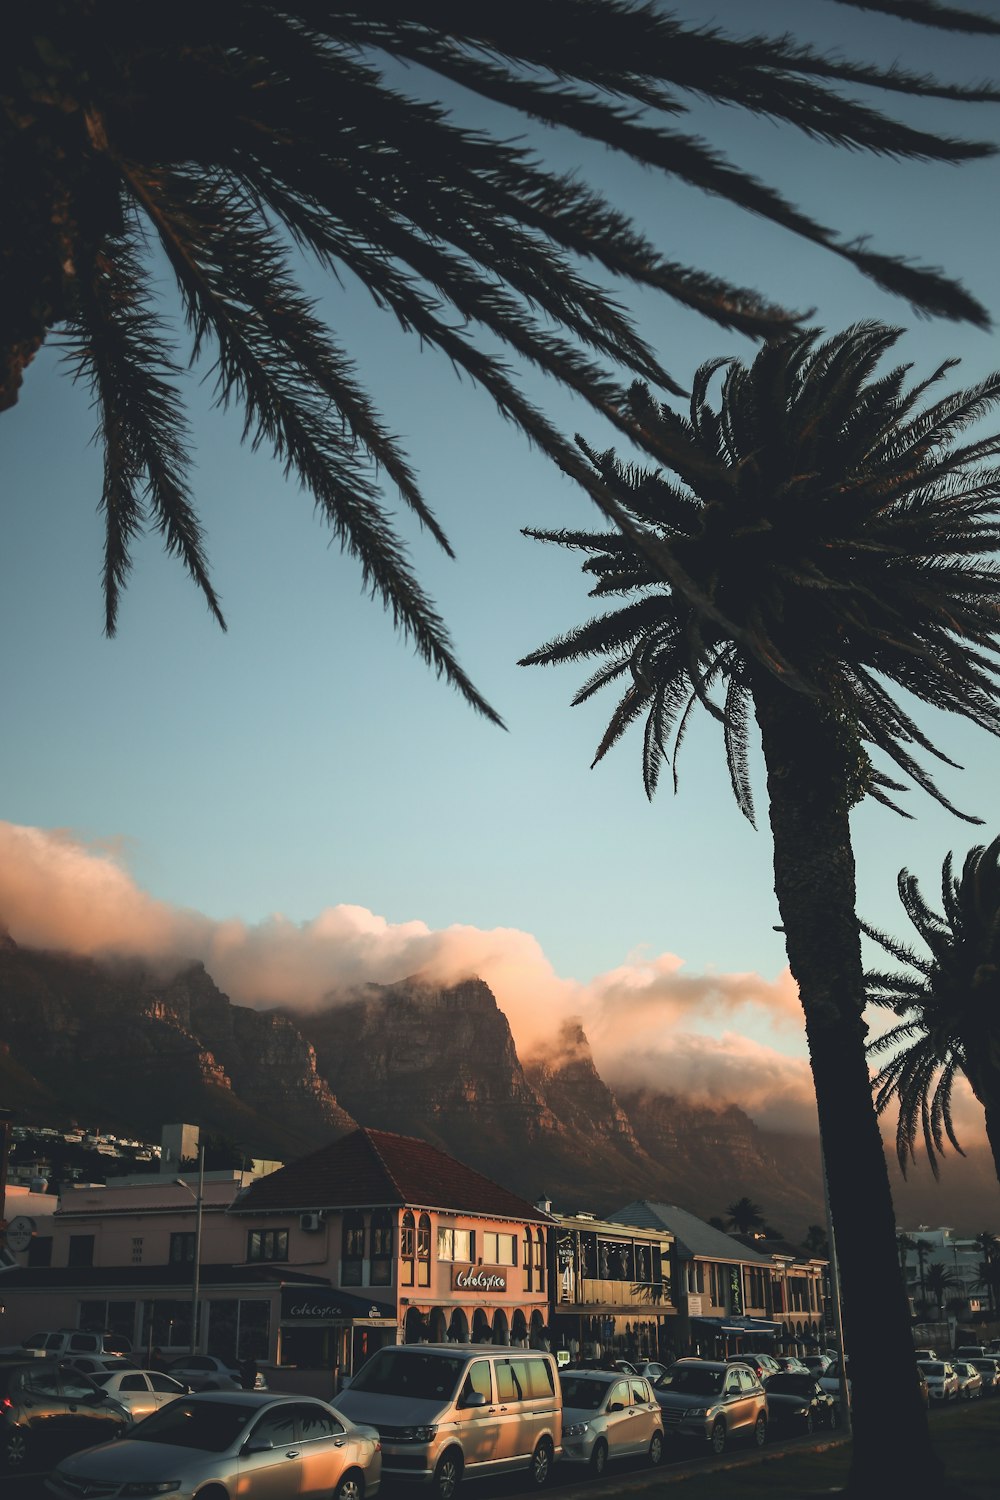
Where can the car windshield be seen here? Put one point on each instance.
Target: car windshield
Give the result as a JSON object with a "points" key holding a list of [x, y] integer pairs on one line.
{"points": [[790, 1385], [931, 1369], [425, 1377], [692, 1380], [211, 1426], [585, 1394]]}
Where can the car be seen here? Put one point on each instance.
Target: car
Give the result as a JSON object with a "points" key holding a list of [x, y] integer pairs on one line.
{"points": [[926, 1353], [650, 1369], [63, 1342], [791, 1365], [970, 1382], [970, 1351], [762, 1364], [44, 1406], [797, 1402], [96, 1364], [609, 1415], [141, 1391], [989, 1369], [710, 1402], [253, 1444], [942, 1382], [817, 1364], [206, 1372]]}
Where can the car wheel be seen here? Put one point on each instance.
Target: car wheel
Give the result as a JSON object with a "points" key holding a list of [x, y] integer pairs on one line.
{"points": [[351, 1487], [447, 1474], [541, 1465], [718, 1438], [15, 1448], [599, 1458], [656, 1449], [760, 1430]]}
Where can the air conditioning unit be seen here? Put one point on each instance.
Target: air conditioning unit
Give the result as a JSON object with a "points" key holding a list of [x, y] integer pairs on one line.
{"points": [[312, 1222]]}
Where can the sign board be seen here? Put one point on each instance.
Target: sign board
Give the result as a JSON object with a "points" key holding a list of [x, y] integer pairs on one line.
{"points": [[20, 1232], [486, 1279], [695, 1304]]}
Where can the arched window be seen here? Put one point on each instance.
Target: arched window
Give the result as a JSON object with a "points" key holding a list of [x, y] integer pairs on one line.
{"points": [[381, 1272], [529, 1260], [424, 1251], [407, 1249], [539, 1256], [353, 1254]]}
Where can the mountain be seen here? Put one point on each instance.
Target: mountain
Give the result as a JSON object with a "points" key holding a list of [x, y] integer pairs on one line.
{"points": [[127, 1048]]}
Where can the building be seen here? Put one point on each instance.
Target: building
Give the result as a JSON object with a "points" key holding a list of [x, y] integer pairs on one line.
{"points": [[730, 1297], [611, 1289], [958, 1278], [374, 1239]]}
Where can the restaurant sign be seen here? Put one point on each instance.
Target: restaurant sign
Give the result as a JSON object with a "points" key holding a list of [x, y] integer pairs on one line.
{"points": [[312, 1303], [488, 1279]]}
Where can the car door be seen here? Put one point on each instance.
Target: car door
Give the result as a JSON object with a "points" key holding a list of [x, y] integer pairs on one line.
{"points": [[647, 1412], [136, 1393], [88, 1416], [326, 1449], [269, 1462], [477, 1425], [165, 1389], [736, 1400]]}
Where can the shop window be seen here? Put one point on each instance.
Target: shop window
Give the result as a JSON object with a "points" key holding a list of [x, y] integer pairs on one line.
{"points": [[381, 1270], [182, 1247], [81, 1250], [353, 1253], [267, 1244], [424, 1251]]}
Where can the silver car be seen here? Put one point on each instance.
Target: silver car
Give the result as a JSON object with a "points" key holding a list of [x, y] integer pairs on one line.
{"points": [[250, 1445], [711, 1402], [141, 1391], [607, 1414]]}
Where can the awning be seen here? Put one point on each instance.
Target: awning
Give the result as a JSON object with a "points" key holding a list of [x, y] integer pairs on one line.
{"points": [[327, 1304], [739, 1325]]}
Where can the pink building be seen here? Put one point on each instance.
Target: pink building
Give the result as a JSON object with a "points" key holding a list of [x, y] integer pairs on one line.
{"points": [[375, 1239]]}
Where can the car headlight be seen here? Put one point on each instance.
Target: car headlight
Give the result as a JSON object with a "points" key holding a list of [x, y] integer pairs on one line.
{"points": [[151, 1487], [417, 1434], [576, 1429], [696, 1411]]}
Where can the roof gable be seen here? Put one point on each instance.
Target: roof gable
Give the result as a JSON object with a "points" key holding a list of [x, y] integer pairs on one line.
{"points": [[374, 1168], [692, 1235]]}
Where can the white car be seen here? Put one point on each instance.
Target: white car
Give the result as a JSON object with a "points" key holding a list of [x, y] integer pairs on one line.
{"points": [[942, 1382], [970, 1381], [206, 1372], [141, 1391], [608, 1414]]}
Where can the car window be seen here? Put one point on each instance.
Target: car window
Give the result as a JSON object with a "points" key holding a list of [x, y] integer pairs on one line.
{"points": [[732, 1381], [585, 1395], [133, 1383], [165, 1383], [75, 1386], [82, 1341], [316, 1422], [479, 1379], [540, 1376], [276, 1425], [619, 1394], [641, 1391], [748, 1380], [195, 1424], [693, 1380], [413, 1373], [508, 1388], [42, 1382]]}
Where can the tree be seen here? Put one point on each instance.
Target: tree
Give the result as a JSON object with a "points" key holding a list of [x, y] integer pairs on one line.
{"points": [[989, 1268], [940, 1280], [816, 1242], [222, 135], [923, 1249], [818, 548], [745, 1216], [948, 1002]]}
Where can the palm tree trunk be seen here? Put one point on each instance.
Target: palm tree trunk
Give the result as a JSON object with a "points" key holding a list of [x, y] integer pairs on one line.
{"points": [[808, 779], [981, 1081]]}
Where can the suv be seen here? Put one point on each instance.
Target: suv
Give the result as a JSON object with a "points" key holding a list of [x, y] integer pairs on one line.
{"points": [[710, 1402], [762, 1365], [63, 1342], [52, 1407]]}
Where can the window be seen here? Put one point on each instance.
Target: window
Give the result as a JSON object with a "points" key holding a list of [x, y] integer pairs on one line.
{"points": [[538, 1251], [277, 1425], [137, 1249], [267, 1244], [381, 1270], [317, 1422], [135, 1382], [499, 1249], [407, 1249], [353, 1254], [182, 1247], [529, 1261], [456, 1244], [81, 1250], [640, 1392], [40, 1250], [619, 1395], [424, 1251], [478, 1380]]}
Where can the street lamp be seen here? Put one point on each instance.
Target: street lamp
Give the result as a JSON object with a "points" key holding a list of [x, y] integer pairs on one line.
{"points": [[199, 1199]]}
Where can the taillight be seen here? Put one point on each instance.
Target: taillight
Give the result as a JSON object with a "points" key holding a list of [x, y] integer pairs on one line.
{"points": [[6, 1404]]}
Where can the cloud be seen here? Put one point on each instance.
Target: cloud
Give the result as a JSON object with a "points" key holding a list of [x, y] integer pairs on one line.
{"points": [[649, 1020]]}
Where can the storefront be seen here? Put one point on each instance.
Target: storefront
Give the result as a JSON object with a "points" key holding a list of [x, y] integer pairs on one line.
{"points": [[326, 1329]]}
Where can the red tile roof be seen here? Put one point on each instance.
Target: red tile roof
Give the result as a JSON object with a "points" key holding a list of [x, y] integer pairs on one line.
{"points": [[372, 1168]]}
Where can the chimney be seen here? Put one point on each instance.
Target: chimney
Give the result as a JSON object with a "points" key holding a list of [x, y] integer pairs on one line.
{"points": [[543, 1204]]}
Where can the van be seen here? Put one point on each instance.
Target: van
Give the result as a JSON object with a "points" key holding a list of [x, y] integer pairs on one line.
{"points": [[444, 1411]]}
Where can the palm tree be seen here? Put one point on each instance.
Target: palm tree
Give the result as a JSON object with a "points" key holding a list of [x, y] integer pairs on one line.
{"points": [[816, 1242], [223, 136], [821, 546], [745, 1216], [940, 1279], [923, 1249], [948, 1002], [904, 1244], [989, 1267]]}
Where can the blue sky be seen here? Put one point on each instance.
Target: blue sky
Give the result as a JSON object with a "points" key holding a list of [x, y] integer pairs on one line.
{"points": [[306, 759]]}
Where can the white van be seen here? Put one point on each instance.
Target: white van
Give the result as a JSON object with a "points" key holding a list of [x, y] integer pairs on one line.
{"points": [[446, 1410]]}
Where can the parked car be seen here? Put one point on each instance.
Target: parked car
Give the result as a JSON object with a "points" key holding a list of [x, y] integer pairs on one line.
{"points": [[142, 1391], [798, 1402], [60, 1342], [710, 1402], [609, 1415], [96, 1364], [817, 1364], [45, 1409], [989, 1369], [761, 1364], [650, 1369], [926, 1353], [791, 1365], [942, 1382], [449, 1410], [252, 1444], [970, 1382], [206, 1372], [970, 1351]]}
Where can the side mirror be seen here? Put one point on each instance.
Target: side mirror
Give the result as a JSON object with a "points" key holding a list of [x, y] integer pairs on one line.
{"points": [[258, 1445], [616, 1406], [474, 1398]]}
